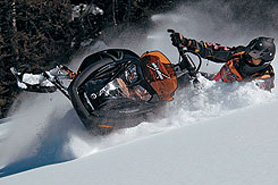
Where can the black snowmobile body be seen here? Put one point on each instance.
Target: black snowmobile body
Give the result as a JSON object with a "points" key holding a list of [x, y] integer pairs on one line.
{"points": [[101, 114]]}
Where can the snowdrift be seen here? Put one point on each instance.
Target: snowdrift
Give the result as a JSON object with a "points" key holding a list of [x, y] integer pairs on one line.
{"points": [[238, 148]]}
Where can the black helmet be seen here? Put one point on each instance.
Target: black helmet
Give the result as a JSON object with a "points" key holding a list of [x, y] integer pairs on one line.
{"points": [[262, 48]]}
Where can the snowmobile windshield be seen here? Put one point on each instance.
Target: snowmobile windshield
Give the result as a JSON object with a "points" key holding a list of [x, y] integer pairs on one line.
{"points": [[128, 87], [115, 88], [160, 74]]}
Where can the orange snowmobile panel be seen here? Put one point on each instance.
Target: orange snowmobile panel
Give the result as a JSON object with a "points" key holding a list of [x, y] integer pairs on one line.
{"points": [[160, 74]]}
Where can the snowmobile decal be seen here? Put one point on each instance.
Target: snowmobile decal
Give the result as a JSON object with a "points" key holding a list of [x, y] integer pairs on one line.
{"points": [[106, 126], [156, 69], [160, 74]]}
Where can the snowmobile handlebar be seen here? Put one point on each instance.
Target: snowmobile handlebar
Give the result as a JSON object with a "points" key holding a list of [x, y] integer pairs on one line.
{"points": [[186, 62]]}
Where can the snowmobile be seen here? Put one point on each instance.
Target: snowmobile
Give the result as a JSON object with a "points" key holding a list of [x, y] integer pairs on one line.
{"points": [[116, 88]]}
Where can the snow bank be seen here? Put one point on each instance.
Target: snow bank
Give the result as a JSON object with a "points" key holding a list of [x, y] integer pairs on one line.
{"points": [[55, 134], [238, 149]]}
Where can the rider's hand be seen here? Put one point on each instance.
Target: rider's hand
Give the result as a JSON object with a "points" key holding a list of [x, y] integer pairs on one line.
{"points": [[177, 39]]}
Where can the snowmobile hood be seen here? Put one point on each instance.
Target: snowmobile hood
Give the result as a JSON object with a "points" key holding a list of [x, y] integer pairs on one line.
{"points": [[160, 74]]}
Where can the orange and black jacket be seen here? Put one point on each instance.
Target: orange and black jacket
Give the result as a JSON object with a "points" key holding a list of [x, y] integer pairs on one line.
{"points": [[236, 67]]}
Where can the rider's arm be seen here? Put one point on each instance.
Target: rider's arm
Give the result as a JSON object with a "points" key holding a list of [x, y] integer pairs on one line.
{"points": [[213, 51]]}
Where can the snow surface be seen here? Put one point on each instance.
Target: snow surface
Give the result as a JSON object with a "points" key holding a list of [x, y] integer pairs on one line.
{"points": [[238, 148], [220, 134], [211, 141]]}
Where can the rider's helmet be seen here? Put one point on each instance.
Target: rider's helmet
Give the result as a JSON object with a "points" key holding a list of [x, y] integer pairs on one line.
{"points": [[262, 48]]}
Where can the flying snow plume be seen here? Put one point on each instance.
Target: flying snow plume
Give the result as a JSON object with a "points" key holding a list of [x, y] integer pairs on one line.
{"points": [[39, 132]]}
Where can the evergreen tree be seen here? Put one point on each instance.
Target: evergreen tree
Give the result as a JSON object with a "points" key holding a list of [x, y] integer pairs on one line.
{"points": [[39, 33]]}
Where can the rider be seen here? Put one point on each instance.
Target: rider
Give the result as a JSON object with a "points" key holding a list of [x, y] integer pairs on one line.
{"points": [[242, 63]]}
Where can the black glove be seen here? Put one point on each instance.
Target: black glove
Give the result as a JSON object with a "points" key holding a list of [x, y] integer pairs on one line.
{"points": [[177, 39]]}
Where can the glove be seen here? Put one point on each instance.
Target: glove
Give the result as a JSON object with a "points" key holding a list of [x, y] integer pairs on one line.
{"points": [[177, 39]]}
